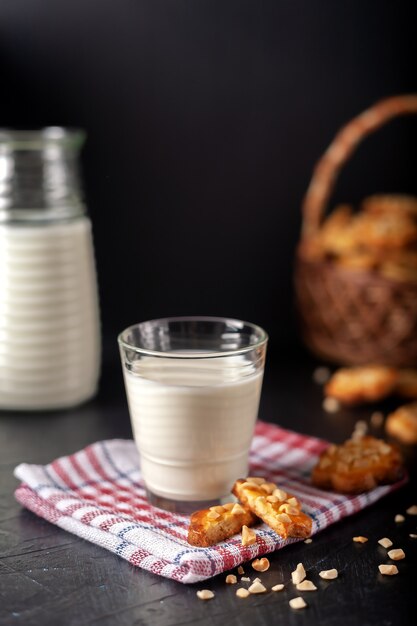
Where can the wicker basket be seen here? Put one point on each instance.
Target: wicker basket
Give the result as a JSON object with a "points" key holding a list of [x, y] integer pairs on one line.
{"points": [[353, 317]]}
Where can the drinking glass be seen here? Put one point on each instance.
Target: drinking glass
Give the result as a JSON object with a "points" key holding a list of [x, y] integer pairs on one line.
{"points": [[193, 386]]}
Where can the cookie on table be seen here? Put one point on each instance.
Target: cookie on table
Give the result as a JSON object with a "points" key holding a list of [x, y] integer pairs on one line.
{"points": [[402, 423], [357, 465], [278, 509], [361, 384], [210, 526]]}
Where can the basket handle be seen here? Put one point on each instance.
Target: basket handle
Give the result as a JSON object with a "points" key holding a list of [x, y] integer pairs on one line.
{"points": [[341, 148]]}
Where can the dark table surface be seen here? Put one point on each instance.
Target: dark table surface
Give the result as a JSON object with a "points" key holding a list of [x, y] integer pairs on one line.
{"points": [[50, 577]]}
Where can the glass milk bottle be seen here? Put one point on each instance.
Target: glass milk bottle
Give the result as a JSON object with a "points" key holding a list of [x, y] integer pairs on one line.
{"points": [[49, 319]]}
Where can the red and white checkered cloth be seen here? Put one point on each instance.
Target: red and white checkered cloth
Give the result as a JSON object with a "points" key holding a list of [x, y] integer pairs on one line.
{"points": [[98, 494]]}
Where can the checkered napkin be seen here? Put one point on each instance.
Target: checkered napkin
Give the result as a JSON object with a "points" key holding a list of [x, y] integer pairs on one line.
{"points": [[98, 494]]}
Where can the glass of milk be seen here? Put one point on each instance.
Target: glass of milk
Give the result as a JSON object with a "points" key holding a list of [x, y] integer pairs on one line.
{"points": [[193, 386]]}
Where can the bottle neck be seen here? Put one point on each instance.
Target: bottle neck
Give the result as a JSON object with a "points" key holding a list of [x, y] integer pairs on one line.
{"points": [[39, 175]]}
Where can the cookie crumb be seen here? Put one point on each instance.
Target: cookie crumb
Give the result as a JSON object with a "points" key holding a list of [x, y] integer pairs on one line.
{"points": [[331, 405], [397, 554], [306, 585], [205, 594], [360, 539], [388, 570], [329, 574], [231, 579], [321, 375], [385, 542], [377, 419], [298, 574], [297, 603], [261, 565], [257, 587]]}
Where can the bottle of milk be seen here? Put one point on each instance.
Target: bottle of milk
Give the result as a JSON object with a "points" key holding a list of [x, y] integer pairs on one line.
{"points": [[49, 318]]}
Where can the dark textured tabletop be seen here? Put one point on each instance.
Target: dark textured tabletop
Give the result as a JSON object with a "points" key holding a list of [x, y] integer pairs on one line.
{"points": [[50, 577]]}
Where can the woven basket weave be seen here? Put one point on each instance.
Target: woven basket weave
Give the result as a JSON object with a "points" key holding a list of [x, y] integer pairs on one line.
{"points": [[362, 316]]}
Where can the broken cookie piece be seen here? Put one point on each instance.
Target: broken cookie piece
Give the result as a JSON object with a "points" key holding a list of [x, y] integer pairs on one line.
{"points": [[402, 423], [366, 383], [210, 526], [278, 509], [357, 465]]}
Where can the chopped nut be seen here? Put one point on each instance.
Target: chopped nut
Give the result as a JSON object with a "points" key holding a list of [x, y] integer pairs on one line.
{"points": [[412, 510], [397, 554], [284, 518], [205, 594], [399, 518], [297, 603], [308, 540], [255, 480], [412, 536], [268, 487], [257, 580], [360, 539], [238, 509], [260, 565], [306, 585], [280, 494], [242, 592], [213, 515], [245, 579], [298, 574], [228, 506], [287, 508], [385, 542], [321, 375], [294, 502], [257, 587], [218, 508], [388, 570], [272, 499], [329, 574], [248, 536], [377, 419], [278, 587], [331, 405], [231, 579], [240, 570]]}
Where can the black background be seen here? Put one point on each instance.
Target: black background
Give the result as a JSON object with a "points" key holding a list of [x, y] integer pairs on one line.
{"points": [[204, 121]]}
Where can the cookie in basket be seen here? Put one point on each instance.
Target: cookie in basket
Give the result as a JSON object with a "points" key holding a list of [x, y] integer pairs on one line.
{"points": [[358, 465], [361, 384], [394, 204], [402, 423]]}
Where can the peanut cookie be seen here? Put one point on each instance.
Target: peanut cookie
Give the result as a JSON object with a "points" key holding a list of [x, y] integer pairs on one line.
{"points": [[384, 231], [367, 383], [278, 509], [210, 526], [393, 204], [402, 423], [357, 466], [336, 234]]}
